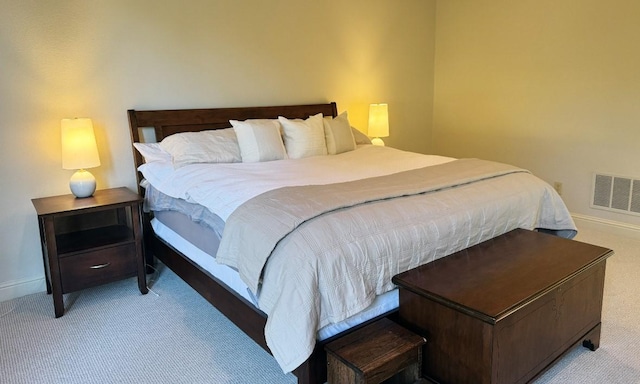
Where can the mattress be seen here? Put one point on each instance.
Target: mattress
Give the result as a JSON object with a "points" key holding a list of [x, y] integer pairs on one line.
{"points": [[175, 227]]}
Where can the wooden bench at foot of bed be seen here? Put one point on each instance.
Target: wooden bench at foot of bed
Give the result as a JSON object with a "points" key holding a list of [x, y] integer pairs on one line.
{"points": [[505, 310], [380, 352]]}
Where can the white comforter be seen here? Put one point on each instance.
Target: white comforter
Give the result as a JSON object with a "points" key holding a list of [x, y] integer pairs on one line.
{"points": [[224, 187]]}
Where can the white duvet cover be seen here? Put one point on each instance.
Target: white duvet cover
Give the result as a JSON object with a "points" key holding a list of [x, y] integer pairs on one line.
{"points": [[223, 187]]}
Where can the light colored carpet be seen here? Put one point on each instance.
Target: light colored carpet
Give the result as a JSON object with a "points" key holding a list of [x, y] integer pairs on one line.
{"points": [[618, 358], [113, 334]]}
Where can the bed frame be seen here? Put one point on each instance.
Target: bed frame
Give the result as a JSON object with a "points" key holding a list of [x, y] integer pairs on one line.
{"points": [[242, 313]]}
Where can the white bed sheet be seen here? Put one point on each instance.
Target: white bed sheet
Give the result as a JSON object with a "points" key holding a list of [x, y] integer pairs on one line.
{"points": [[382, 304]]}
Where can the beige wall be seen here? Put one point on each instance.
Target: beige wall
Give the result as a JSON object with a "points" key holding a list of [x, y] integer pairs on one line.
{"points": [[552, 86], [549, 85], [99, 58]]}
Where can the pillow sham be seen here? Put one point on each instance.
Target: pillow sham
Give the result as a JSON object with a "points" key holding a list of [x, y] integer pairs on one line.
{"points": [[360, 137], [259, 140], [152, 152], [338, 134], [211, 146], [304, 138]]}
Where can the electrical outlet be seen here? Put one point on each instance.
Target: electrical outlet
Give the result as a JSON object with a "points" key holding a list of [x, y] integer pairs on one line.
{"points": [[558, 187]]}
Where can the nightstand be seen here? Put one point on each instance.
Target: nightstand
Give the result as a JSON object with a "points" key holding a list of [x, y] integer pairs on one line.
{"points": [[90, 241]]}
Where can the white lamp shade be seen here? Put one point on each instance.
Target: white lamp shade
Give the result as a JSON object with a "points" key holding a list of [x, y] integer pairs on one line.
{"points": [[79, 149], [378, 120]]}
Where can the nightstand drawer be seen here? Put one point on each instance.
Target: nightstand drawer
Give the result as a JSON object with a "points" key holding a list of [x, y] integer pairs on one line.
{"points": [[85, 270]]}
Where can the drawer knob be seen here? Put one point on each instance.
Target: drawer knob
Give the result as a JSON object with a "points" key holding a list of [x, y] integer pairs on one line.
{"points": [[100, 266]]}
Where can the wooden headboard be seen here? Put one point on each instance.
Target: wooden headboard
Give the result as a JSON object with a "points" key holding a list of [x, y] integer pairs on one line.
{"points": [[170, 121]]}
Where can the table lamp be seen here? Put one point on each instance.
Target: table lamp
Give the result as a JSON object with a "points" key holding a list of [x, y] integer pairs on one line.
{"points": [[378, 123], [79, 151]]}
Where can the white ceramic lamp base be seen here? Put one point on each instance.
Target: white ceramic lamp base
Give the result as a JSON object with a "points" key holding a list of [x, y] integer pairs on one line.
{"points": [[82, 183], [377, 141]]}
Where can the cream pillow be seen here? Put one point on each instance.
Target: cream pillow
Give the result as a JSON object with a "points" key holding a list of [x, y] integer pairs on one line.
{"points": [[304, 138], [259, 140], [360, 137], [338, 134], [211, 146]]}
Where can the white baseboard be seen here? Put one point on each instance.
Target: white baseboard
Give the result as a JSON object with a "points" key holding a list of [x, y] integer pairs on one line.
{"points": [[608, 226], [19, 288]]}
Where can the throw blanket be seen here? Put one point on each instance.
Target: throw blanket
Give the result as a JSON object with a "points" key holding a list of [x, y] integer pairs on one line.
{"points": [[332, 248]]}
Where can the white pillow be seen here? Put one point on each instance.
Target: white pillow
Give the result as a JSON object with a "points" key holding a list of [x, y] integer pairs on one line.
{"points": [[152, 152], [338, 134], [211, 146], [259, 140], [360, 137], [156, 172], [304, 138]]}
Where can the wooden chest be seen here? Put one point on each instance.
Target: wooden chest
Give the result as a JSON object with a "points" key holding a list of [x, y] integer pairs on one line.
{"points": [[504, 310]]}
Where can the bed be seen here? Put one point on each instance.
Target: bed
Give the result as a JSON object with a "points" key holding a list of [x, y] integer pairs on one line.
{"points": [[282, 218]]}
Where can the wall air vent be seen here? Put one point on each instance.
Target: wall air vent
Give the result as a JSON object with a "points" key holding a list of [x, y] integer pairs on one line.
{"points": [[616, 193]]}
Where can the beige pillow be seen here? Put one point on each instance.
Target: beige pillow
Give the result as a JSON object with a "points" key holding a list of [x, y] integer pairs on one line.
{"points": [[304, 138], [259, 140], [338, 134], [211, 146]]}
